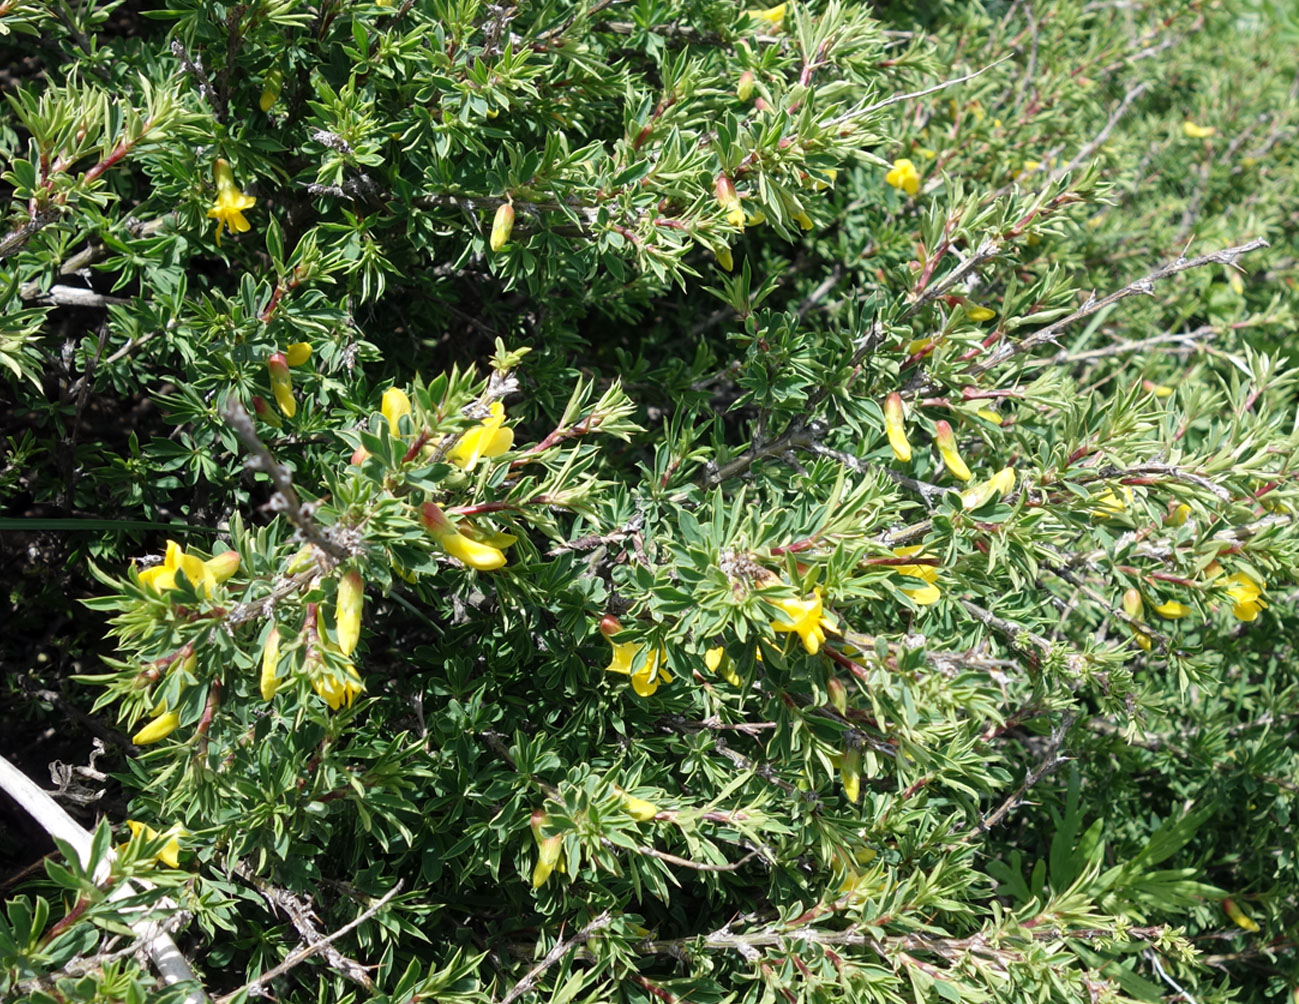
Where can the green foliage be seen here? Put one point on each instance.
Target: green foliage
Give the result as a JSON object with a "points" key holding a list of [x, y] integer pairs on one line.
{"points": [[680, 667]]}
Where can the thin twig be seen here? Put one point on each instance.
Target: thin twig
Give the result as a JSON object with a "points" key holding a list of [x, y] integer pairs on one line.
{"points": [[1049, 763], [301, 955], [560, 949], [285, 497], [1144, 286]]}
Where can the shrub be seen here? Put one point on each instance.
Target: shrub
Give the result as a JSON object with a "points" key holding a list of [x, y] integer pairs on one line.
{"points": [[656, 501]]}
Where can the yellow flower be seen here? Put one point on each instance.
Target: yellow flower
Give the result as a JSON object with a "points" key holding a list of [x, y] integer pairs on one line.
{"points": [[158, 729], [904, 176], [645, 680], [271, 89], [395, 404], [297, 353], [850, 774], [277, 366], [201, 574], [894, 427], [995, 487], [774, 16], [336, 689], [729, 199], [720, 663], [269, 683], [804, 618], [1135, 608], [988, 415], [976, 313], [548, 850], [1178, 516], [1172, 610], [476, 554], [928, 593], [169, 855], [1194, 131], [228, 210], [347, 616], [485, 440], [502, 226], [1111, 504], [1246, 595], [1242, 919], [945, 439]]}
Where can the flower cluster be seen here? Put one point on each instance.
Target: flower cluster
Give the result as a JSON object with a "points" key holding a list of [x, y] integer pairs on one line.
{"points": [[652, 672]]}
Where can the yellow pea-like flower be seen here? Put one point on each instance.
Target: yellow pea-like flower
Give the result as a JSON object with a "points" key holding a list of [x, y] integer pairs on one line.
{"points": [[282, 383], [395, 404], [1242, 919], [945, 439], [347, 617], [297, 353], [895, 428], [157, 730], [269, 683]]}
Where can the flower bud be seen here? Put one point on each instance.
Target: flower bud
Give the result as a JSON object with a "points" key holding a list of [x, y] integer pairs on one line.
{"points": [[269, 683], [720, 663], [347, 616], [838, 695], [744, 89], [1135, 608], [976, 313], [271, 89], [502, 226], [1172, 610], [725, 259], [395, 404], [639, 809], [729, 199], [850, 774], [610, 625], [222, 566], [264, 412], [435, 521], [548, 849], [946, 441], [1242, 919], [158, 729], [282, 383], [893, 425], [359, 456]]}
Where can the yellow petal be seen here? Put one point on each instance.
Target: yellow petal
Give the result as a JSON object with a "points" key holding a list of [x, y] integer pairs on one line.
{"points": [[158, 729], [269, 683], [482, 557], [298, 353]]}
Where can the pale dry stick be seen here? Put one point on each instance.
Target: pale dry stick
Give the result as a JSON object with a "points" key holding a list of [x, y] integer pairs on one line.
{"points": [[51, 817], [1049, 763], [1187, 339], [941, 85], [301, 955], [286, 497], [560, 949], [1143, 286], [300, 915]]}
